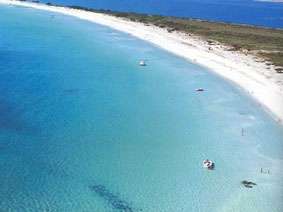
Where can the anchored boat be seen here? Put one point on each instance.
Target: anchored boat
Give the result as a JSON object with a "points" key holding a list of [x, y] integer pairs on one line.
{"points": [[199, 89], [142, 63], [208, 164]]}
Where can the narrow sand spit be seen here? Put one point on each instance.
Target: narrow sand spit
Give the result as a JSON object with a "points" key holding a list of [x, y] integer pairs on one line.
{"points": [[251, 73]]}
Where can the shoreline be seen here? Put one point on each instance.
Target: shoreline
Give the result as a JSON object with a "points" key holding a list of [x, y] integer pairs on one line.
{"points": [[251, 73]]}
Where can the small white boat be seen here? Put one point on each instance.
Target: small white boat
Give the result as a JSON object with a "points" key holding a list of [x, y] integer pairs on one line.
{"points": [[208, 164], [199, 89], [142, 63]]}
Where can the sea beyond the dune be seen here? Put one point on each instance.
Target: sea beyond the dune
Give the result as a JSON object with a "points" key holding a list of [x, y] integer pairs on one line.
{"points": [[260, 13], [83, 127]]}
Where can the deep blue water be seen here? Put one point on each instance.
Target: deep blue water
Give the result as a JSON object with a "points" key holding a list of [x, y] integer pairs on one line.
{"points": [[268, 14], [84, 128]]}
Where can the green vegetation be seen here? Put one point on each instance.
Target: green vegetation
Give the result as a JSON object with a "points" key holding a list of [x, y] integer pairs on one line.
{"points": [[261, 41]]}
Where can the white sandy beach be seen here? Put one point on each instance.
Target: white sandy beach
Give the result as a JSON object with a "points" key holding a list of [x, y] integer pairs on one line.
{"points": [[249, 72]]}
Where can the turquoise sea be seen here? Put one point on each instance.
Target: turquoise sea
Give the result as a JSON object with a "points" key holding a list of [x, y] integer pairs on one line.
{"points": [[84, 128]]}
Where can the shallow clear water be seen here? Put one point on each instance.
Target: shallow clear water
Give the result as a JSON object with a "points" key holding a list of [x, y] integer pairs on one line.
{"points": [[84, 128], [268, 14]]}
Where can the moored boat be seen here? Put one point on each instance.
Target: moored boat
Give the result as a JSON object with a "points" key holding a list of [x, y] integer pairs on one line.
{"points": [[208, 164], [199, 89], [142, 63]]}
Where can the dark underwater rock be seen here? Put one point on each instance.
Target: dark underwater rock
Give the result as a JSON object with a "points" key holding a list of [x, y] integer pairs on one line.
{"points": [[248, 184], [113, 199]]}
